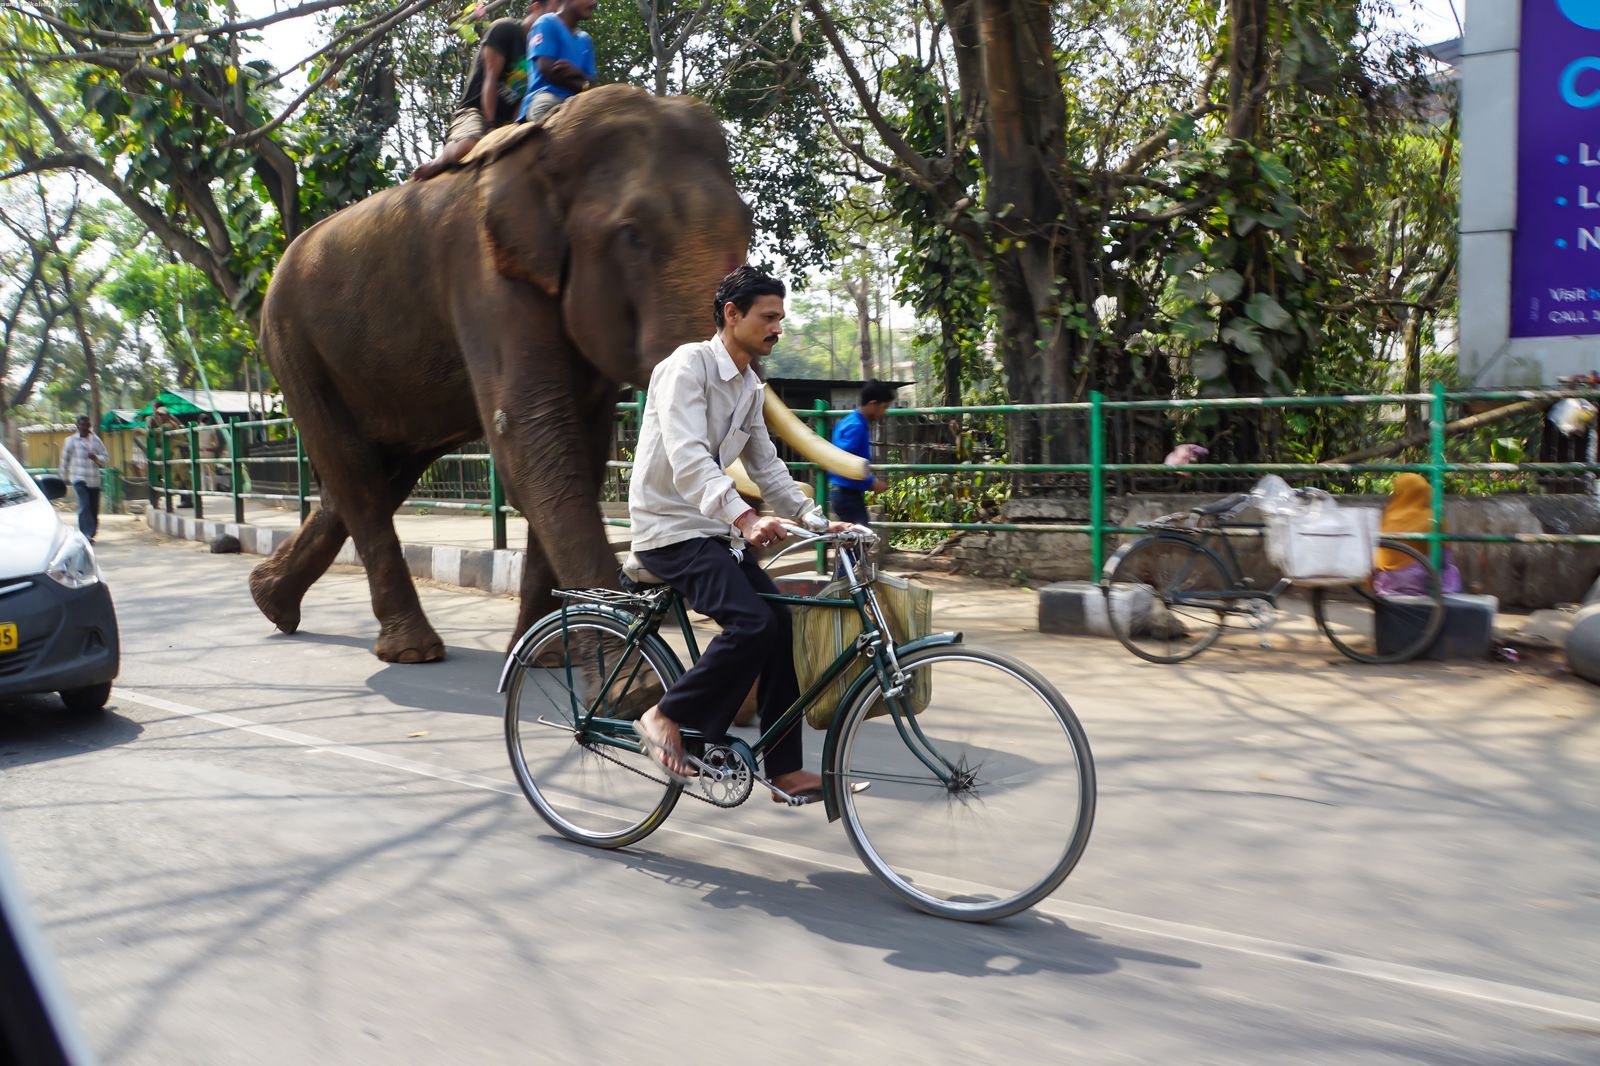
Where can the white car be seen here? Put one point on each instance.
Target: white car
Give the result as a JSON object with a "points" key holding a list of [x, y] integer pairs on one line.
{"points": [[58, 628]]}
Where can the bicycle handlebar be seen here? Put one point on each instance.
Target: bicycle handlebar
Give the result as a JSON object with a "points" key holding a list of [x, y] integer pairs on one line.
{"points": [[804, 538]]}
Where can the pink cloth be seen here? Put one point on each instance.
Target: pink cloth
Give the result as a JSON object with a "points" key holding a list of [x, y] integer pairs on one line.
{"points": [[1184, 454]]}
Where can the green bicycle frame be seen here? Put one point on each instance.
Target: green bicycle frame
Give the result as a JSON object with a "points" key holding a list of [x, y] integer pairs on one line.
{"points": [[883, 656]]}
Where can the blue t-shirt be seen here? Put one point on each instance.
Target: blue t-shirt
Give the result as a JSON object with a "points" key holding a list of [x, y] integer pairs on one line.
{"points": [[854, 435], [551, 39]]}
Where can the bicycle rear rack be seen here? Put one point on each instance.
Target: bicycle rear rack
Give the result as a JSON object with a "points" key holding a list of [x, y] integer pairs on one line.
{"points": [[646, 601]]}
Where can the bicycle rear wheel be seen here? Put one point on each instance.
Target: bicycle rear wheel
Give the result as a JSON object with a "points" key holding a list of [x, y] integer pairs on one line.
{"points": [[1013, 813], [1167, 598], [592, 785], [1377, 629]]}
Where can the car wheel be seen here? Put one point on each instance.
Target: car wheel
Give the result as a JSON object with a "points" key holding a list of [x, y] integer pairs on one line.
{"points": [[88, 699]]}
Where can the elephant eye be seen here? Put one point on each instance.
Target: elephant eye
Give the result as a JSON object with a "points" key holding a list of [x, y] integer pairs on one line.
{"points": [[632, 237]]}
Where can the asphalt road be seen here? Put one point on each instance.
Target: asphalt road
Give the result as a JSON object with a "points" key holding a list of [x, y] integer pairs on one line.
{"points": [[277, 849]]}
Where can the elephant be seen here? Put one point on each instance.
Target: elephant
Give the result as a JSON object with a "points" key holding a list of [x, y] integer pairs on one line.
{"points": [[509, 298]]}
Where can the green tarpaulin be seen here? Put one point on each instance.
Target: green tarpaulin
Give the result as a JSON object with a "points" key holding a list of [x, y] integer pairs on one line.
{"points": [[120, 420], [177, 406]]}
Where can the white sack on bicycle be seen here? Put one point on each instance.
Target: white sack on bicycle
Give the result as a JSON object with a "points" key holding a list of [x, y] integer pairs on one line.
{"points": [[1313, 540], [822, 633]]}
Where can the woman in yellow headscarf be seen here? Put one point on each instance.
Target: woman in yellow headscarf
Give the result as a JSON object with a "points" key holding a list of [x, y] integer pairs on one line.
{"points": [[1409, 510]]}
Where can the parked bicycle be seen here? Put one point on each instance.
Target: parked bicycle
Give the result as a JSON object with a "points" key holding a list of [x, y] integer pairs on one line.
{"points": [[963, 778], [1170, 595]]}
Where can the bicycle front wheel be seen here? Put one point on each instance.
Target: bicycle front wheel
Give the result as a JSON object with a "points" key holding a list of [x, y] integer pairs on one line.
{"points": [[1167, 598], [591, 783], [1377, 629], [979, 805]]}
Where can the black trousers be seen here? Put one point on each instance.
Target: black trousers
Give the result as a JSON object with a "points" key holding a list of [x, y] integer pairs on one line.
{"points": [[755, 640], [88, 508]]}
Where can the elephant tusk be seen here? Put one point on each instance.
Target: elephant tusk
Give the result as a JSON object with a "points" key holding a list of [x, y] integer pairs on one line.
{"points": [[748, 489], [811, 447]]}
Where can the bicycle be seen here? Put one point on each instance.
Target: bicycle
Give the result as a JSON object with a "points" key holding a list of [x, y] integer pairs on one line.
{"points": [[974, 805], [1169, 595]]}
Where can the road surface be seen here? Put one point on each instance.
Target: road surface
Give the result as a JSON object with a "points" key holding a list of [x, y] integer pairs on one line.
{"points": [[276, 849]]}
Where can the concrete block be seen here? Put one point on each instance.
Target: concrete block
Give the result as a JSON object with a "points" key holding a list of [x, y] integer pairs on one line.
{"points": [[476, 568], [500, 581], [447, 564], [419, 559], [1078, 608], [1468, 631]]}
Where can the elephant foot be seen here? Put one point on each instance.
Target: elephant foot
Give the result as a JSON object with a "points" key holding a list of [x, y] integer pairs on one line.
{"points": [[414, 643], [265, 591]]}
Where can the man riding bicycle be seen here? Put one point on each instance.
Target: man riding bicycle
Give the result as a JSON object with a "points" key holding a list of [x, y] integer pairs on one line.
{"points": [[690, 525]]}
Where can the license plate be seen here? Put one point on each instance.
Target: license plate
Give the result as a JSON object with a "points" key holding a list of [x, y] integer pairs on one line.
{"points": [[8, 637]]}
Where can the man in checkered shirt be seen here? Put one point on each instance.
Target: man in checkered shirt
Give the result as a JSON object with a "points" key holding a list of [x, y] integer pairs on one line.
{"points": [[81, 459]]}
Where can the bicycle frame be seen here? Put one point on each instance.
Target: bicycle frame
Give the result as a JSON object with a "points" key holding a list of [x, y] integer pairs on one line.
{"points": [[643, 614], [1239, 588]]}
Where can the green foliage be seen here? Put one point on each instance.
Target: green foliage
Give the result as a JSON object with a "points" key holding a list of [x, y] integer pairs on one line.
{"points": [[973, 497], [940, 277]]}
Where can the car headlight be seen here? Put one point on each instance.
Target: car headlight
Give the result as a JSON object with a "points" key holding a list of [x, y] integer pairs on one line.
{"points": [[73, 564]]}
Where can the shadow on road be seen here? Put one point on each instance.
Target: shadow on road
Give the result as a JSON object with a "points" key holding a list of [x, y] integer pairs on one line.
{"points": [[38, 728], [852, 908]]}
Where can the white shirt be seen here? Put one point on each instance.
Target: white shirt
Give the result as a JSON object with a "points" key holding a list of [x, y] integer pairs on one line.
{"points": [[78, 457], [701, 414]]}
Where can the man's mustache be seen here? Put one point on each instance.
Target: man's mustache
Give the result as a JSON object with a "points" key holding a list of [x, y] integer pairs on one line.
{"points": [[772, 338]]}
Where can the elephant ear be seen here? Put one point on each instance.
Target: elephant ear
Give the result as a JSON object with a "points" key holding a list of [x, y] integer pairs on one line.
{"points": [[523, 218]]}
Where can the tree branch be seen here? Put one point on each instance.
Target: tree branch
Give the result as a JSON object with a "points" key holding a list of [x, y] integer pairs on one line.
{"points": [[908, 157]]}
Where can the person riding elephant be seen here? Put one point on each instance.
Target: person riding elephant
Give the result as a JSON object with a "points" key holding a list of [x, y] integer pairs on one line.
{"points": [[508, 298]]}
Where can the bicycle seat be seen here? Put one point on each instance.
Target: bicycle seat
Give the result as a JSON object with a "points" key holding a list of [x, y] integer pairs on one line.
{"points": [[1225, 506], [636, 575]]}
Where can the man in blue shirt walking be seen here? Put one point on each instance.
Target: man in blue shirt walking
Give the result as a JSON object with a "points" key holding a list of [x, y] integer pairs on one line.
{"points": [[560, 59], [854, 435]]}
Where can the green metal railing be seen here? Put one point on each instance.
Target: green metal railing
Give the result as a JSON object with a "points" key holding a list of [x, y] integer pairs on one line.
{"points": [[1096, 410]]}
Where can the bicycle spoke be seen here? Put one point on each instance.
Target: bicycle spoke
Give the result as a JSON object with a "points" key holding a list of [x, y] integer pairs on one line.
{"points": [[591, 785], [1016, 811]]}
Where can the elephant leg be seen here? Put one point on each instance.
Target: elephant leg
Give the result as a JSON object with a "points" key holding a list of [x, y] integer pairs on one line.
{"points": [[363, 485], [549, 470], [280, 582], [538, 578]]}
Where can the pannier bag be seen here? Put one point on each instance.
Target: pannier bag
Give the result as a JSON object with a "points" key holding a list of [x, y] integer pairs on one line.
{"points": [[822, 633]]}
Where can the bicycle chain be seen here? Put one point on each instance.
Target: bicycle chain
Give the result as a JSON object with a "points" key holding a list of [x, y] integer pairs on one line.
{"points": [[685, 789]]}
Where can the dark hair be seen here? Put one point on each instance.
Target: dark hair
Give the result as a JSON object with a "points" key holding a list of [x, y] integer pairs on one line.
{"points": [[741, 289], [876, 391]]}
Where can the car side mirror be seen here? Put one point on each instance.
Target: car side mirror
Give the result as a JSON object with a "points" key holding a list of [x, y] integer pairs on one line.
{"points": [[52, 487]]}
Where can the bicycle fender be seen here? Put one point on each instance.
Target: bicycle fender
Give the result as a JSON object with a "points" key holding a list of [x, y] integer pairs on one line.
{"points": [[515, 654], [1117, 556], [830, 742]]}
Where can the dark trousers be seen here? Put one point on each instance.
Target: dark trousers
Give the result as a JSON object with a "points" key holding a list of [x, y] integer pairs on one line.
{"points": [[88, 508], [849, 505], [755, 640]]}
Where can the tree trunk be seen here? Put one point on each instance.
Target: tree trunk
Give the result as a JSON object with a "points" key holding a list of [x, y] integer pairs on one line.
{"points": [[1007, 62], [860, 296], [950, 345]]}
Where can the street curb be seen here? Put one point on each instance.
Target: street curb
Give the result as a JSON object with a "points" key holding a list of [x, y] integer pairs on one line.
{"points": [[494, 571]]}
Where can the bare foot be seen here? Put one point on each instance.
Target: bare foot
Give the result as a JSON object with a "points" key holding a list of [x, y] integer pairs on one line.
{"points": [[797, 782], [665, 742]]}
